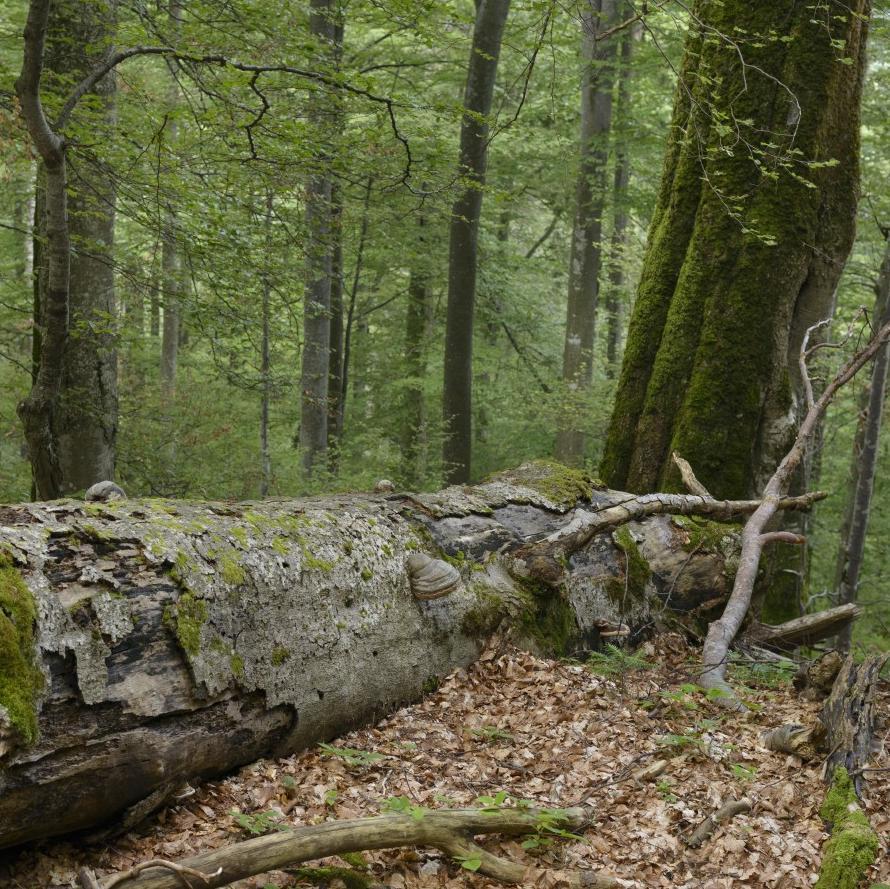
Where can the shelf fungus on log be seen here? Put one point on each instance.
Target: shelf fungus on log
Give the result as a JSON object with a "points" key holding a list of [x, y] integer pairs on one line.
{"points": [[431, 578]]}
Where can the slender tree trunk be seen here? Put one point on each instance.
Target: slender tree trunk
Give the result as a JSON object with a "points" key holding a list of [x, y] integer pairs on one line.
{"points": [[865, 460], [171, 276], [417, 323], [315, 371], [171, 260], [85, 423], [265, 359], [743, 252], [615, 296], [353, 295], [51, 290], [335, 368], [491, 17], [586, 253]]}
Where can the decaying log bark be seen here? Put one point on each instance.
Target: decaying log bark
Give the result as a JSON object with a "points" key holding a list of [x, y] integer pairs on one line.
{"points": [[849, 717], [179, 640], [807, 629], [448, 830]]}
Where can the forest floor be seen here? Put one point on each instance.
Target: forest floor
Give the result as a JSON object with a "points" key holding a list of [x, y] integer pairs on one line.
{"points": [[554, 733]]}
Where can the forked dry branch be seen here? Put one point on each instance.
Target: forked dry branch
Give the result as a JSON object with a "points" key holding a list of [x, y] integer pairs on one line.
{"points": [[451, 831]]}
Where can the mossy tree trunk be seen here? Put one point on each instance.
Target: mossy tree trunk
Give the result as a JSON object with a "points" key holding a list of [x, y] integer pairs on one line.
{"points": [[754, 220], [144, 643]]}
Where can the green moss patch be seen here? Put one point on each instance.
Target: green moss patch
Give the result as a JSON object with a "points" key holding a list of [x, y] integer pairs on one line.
{"points": [[186, 619], [636, 569], [853, 845], [561, 484], [325, 876], [20, 677]]}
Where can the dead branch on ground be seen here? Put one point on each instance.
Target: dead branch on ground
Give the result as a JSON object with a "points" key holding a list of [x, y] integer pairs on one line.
{"points": [[451, 831]]}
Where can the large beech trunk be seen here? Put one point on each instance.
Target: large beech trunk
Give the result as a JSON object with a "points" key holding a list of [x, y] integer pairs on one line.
{"points": [[178, 640]]}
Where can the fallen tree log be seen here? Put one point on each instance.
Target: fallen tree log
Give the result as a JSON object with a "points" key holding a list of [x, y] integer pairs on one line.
{"points": [[144, 643], [805, 630], [448, 830]]}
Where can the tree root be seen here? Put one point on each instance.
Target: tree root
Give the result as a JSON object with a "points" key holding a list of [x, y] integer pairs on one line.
{"points": [[447, 830]]}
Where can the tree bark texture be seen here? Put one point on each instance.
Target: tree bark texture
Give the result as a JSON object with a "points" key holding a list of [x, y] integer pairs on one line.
{"points": [[315, 370], [746, 244], [149, 642], [85, 424], [865, 461], [586, 255], [457, 397], [417, 328], [37, 411], [615, 296]]}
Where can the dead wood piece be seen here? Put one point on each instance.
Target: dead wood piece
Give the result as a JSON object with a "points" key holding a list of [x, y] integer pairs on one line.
{"points": [[807, 629], [815, 678], [545, 559], [447, 830], [849, 717], [87, 879], [693, 485], [651, 771], [725, 813], [798, 740], [185, 874]]}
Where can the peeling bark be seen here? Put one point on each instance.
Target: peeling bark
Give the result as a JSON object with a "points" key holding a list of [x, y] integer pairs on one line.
{"points": [[179, 640]]}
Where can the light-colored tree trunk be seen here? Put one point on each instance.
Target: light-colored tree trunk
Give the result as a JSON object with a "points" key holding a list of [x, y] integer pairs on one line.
{"points": [[586, 253], [265, 355], [616, 298], [865, 462], [417, 330], [457, 398], [165, 641]]}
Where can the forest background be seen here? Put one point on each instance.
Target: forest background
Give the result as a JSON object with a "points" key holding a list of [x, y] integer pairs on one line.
{"points": [[210, 171]]}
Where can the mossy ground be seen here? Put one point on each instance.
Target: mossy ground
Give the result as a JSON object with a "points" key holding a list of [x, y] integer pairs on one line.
{"points": [[853, 845], [20, 677]]}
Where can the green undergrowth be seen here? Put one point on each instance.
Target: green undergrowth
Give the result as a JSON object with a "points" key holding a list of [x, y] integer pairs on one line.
{"points": [[20, 677], [853, 845]]}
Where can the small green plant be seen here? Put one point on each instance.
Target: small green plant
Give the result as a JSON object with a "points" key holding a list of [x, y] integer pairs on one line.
{"points": [[665, 789], [330, 797], [615, 661], [680, 743], [401, 805], [469, 862], [260, 822], [492, 803], [492, 734], [353, 758], [743, 773], [767, 675]]}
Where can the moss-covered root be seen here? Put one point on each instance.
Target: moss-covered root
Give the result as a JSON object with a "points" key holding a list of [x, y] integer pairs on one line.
{"points": [[20, 677], [853, 845]]}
